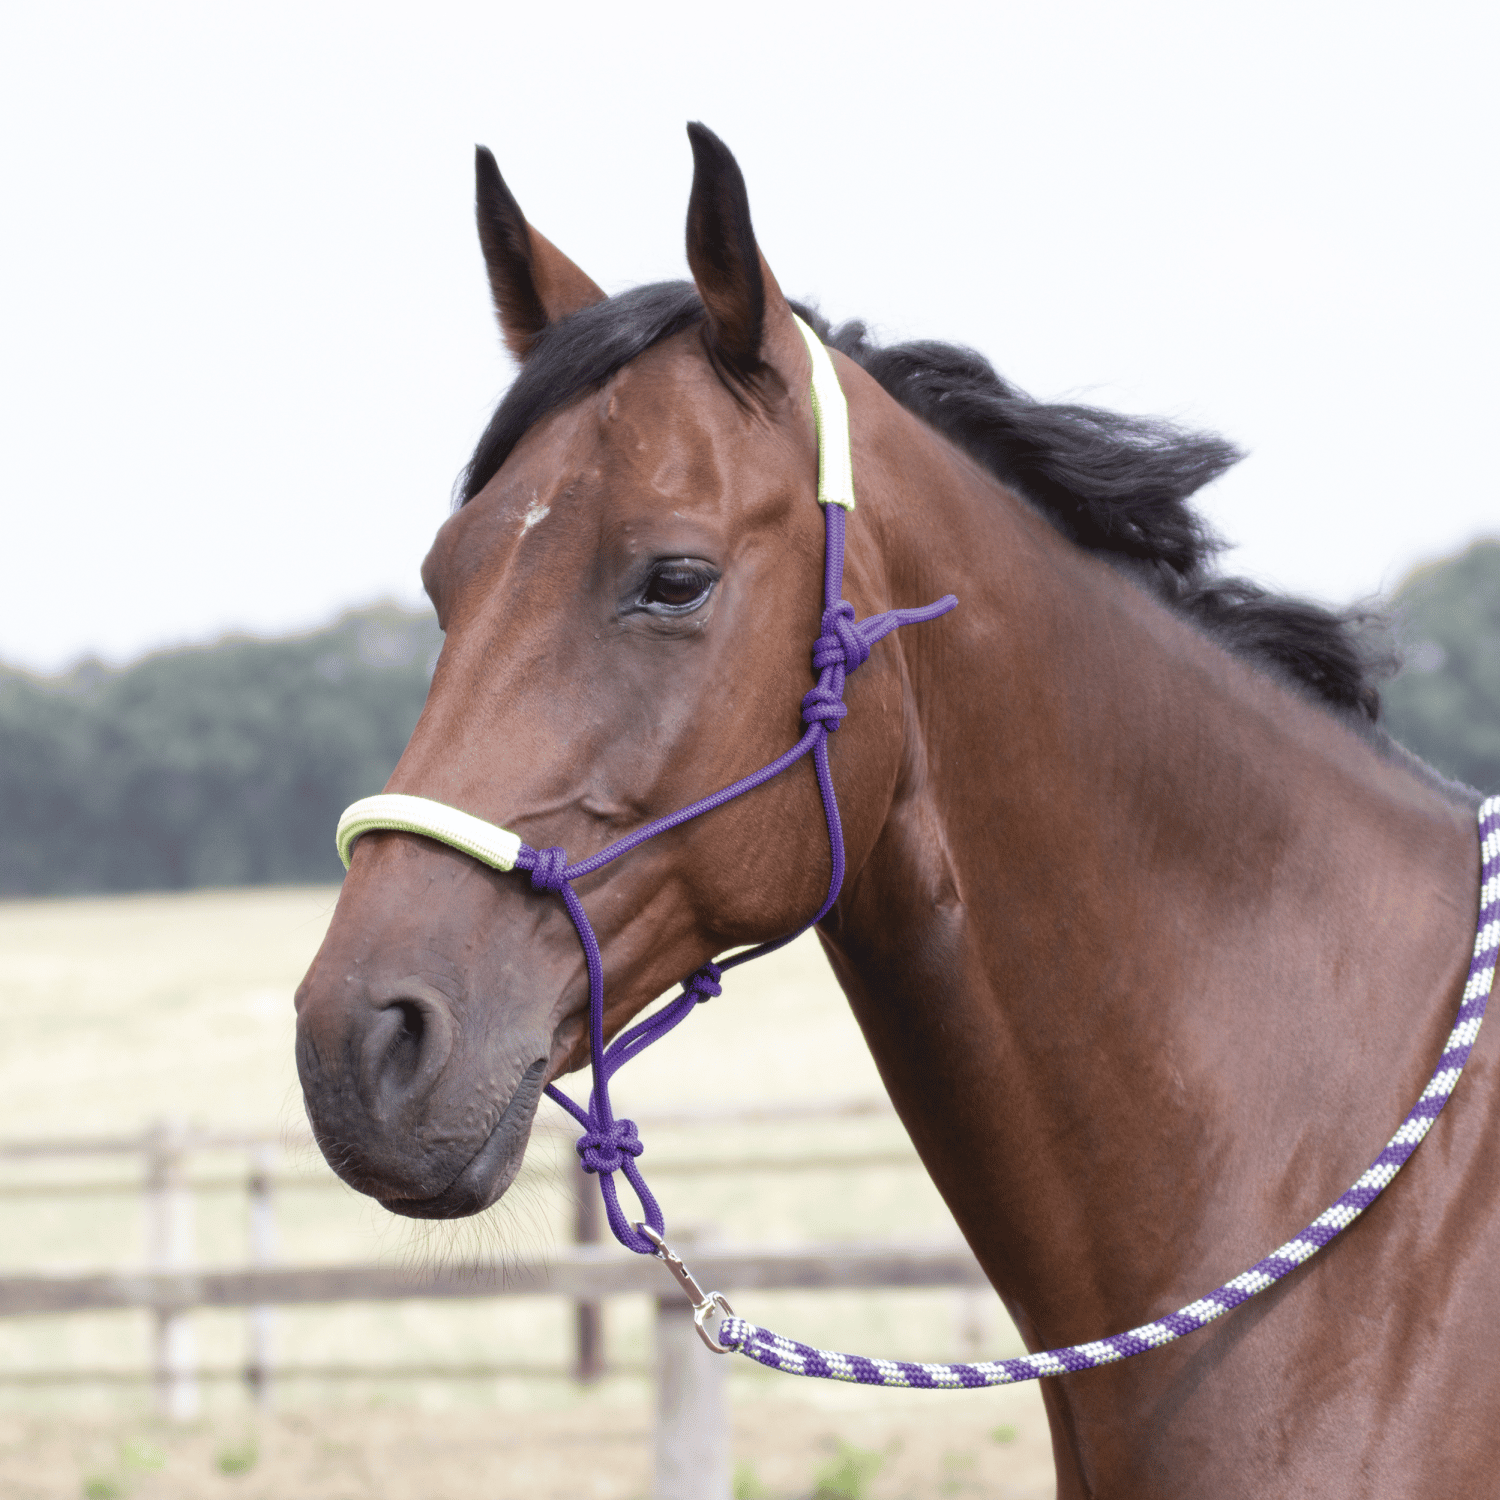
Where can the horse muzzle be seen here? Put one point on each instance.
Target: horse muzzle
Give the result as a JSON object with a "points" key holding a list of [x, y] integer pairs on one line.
{"points": [[405, 1113]]}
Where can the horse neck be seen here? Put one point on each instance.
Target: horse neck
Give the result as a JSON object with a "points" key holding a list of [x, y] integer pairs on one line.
{"points": [[1141, 924]]}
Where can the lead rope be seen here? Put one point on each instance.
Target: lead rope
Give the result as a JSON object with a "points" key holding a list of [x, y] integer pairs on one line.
{"points": [[779, 1353]]}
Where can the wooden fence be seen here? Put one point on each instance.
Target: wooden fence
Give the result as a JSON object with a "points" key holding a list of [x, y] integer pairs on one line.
{"points": [[692, 1422]]}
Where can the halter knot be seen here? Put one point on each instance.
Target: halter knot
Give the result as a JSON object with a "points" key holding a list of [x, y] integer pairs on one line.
{"points": [[840, 643], [604, 1148], [821, 705], [704, 985], [547, 872]]}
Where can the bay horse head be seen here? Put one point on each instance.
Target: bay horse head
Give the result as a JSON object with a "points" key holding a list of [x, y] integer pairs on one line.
{"points": [[628, 591]]}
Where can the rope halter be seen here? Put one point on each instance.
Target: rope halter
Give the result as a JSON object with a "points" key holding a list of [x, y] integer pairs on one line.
{"points": [[609, 1145]]}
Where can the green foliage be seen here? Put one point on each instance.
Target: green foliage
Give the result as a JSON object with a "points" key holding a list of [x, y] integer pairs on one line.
{"points": [[140, 1455], [1445, 705], [211, 766], [136, 1456], [238, 1458], [960, 1474], [747, 1485], [847, 1475]]}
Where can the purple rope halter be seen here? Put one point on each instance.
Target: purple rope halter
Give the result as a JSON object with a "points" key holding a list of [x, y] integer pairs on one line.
{"points": [[609, 1145]]}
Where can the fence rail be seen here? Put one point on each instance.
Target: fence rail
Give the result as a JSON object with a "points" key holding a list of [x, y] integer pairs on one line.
{"points": [[575, 1273], [692, 1419]]}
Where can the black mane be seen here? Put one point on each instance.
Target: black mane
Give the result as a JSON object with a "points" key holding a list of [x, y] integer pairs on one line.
{"points": [[1116, 485]]}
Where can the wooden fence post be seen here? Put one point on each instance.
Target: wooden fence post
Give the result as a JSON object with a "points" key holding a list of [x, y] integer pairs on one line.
{"points": [[692, 1408], [169, 1247], [262, 1253], [588, 1315]]}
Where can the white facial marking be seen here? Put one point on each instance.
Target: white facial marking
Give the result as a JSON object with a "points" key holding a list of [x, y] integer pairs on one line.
{"points": [[535, 512]]}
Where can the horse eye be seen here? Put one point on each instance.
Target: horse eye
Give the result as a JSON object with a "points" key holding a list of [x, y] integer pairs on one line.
{"points": [[677, 587]]}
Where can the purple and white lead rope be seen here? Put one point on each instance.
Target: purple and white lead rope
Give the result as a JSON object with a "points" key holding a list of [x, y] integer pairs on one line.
{"points": [[785, 1354]]}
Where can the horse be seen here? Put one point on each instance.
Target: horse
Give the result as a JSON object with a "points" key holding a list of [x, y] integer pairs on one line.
{"points": [[1152, 931]]}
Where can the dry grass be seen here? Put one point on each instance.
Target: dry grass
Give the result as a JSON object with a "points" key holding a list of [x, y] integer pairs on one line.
{"points": [[594, 1451]]}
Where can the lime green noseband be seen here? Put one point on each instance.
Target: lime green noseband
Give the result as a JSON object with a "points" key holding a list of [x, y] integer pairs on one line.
{"points": [[487, 842]]}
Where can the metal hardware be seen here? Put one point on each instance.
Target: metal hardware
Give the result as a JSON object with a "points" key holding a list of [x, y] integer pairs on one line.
{"points": [[703, 1302]]}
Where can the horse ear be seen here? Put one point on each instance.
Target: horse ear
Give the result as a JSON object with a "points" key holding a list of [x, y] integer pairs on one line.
{"points": [[532, 281], [749, 321]]}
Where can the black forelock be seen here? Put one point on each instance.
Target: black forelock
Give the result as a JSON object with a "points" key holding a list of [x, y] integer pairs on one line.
{"points": [[577, 354], [1117, 485]]}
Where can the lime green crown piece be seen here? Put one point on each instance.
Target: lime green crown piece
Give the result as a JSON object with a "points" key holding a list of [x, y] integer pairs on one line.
{"points": [[831, 415]]}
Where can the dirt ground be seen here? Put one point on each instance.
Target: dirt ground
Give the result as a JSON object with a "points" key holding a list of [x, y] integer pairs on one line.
{"points": [[906, 1446]]}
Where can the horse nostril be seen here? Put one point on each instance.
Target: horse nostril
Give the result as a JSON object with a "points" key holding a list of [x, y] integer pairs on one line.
{"points": [[404, 1052], [405, 1048]]}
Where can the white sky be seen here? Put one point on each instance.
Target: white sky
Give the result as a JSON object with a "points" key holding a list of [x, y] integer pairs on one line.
{"points": [[245, 343]]}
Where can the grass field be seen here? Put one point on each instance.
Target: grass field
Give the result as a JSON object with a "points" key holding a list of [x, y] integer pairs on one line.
{"points": [[126, 1010]]}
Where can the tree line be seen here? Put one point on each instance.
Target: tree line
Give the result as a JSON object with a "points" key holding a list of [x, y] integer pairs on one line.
{"points": [[212, 766], [1445, 704], [230, 764]]}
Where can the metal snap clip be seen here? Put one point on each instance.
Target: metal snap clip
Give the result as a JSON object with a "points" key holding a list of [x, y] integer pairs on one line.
{"points": [[703, 1302]]}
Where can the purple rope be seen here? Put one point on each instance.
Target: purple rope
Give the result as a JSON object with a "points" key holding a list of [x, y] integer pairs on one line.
{"points": [[608, 1145]]}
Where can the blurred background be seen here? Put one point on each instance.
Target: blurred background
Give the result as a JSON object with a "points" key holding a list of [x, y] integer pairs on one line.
{"points": [[245, 348]]}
